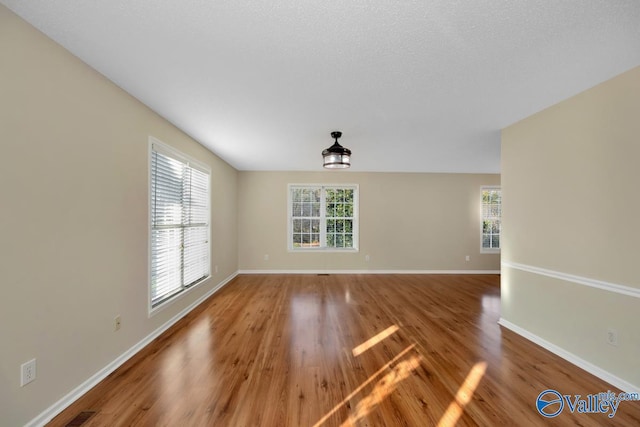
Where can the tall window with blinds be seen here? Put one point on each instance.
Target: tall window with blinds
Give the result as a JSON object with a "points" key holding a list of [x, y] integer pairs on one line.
{"points": [[180, 213], [491, 219]]}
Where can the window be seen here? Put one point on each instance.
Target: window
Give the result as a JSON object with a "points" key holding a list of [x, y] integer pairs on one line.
{"points": [[323, 217], [491, 219], [180, 215]]}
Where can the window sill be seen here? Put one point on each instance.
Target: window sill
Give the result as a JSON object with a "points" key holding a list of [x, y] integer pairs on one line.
{"points": [[176, 297], [324, 250], [490, 251]]}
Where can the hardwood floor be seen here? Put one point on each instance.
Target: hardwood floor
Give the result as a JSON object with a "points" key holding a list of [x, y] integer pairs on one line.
{"points": [[367, 350]]}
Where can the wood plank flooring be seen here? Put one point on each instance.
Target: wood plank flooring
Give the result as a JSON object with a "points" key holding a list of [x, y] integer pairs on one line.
{"points": [[278, 350]]}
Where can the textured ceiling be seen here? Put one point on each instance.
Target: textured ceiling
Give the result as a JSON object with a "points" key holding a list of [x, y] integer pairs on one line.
{"points": [[416, 86]]}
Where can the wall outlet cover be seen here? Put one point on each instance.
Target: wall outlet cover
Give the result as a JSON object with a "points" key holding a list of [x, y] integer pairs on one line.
{"points": [[27, 372]]}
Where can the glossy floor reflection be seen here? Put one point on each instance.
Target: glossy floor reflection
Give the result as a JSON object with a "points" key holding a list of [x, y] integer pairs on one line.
{"points": [[339, 350]]}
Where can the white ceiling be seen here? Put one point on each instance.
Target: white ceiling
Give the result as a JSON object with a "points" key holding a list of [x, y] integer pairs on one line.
{"points": [[414, 85]]}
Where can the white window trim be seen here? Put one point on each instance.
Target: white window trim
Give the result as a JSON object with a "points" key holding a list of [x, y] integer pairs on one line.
{"points": [[356, 219], [484, 250], [161, 147]]}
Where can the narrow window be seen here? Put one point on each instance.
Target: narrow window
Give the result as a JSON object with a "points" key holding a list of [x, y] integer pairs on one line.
{"points": [[491, 219], [180, 255], [323, 217]]}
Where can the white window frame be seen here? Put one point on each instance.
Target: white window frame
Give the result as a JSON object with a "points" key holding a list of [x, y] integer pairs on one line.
{"points": [[484, 250], [156, 145], [323, 228]]}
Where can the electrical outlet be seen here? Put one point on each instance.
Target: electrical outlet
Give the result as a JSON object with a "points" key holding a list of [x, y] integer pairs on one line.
{"points": [[367, 258], [612, 337], [27, 372], [117, 323], [215, 269], [467, 258], [266, 257]]}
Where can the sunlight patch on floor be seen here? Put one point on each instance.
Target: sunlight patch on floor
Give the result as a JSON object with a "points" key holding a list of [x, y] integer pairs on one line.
{"points": [[383, 388], [374, 340], [463, 396], [364, 384]]}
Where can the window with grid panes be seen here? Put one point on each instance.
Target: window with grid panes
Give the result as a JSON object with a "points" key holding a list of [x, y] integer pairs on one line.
{"points": [[179, 207], [323, 217], [491, 219]]}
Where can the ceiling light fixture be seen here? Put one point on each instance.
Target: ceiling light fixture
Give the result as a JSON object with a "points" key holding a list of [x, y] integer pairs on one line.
{"points": [[336, 156]]}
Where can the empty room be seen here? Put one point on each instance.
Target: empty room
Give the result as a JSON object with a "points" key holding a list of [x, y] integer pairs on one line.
{"points": [[319, 213]]}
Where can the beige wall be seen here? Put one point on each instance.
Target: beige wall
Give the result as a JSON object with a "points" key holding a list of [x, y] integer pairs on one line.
{"points": [[570, 205], [74, 219], [408, 221]]}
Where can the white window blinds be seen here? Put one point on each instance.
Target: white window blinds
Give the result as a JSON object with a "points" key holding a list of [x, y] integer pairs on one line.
{"points": [[179, 224]]}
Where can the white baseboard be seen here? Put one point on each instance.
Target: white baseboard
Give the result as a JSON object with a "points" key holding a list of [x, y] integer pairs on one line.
{"points": [[368, 271], [572, 358], [87, 385]]}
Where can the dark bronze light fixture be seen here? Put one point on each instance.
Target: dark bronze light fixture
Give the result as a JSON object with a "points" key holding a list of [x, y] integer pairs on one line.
{"points": [[336, 156]]}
